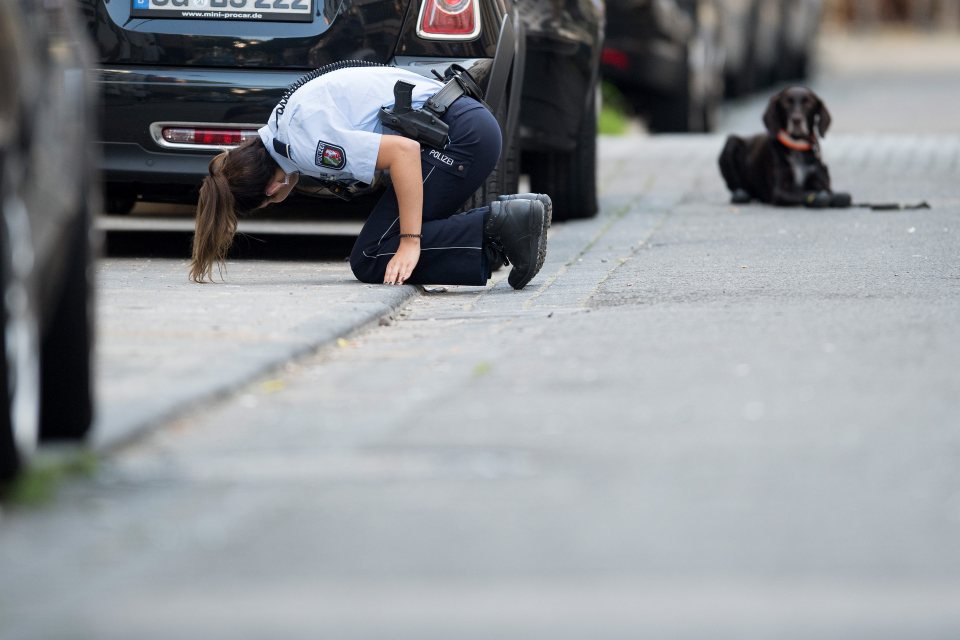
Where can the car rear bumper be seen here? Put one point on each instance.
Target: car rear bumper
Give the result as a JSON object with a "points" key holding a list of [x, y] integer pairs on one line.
{"points": [[136, 98]]}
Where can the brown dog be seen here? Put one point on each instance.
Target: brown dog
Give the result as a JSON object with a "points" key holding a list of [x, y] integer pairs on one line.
{"points": [[783, 166]]}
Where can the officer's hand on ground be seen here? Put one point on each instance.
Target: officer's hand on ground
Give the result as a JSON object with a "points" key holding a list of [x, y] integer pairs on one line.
{"points": [[403, 262]]}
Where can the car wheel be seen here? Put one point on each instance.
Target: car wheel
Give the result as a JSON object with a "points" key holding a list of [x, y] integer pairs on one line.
{"points": [[570, 178], [694, 107], [66, 403], [505, 176], [793, 66], [20, 370], [676, 113]]}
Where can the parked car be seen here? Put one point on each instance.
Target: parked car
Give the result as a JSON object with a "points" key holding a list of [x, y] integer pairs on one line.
{"points": [[737, 18], [780, 38], [46, 187], [767, 25], [799, 30], [666, 57], [183, 80], [558, 118]]}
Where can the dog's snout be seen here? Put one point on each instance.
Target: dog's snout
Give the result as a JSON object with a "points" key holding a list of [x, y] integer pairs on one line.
{"points": [[797, 123]]}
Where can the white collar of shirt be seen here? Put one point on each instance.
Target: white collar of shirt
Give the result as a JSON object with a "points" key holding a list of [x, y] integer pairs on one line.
{"points": [[267, 136]]}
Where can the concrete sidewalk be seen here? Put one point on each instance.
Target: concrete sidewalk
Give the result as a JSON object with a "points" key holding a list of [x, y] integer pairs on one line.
{"points": [[165, 345], [700, 421]]}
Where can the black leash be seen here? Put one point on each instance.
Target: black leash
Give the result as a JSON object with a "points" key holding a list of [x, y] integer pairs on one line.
{"points": [[891, 206]]}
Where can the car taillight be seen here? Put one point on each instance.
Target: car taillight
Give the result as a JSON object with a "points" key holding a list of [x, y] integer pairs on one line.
{"points": [[615, 58], [449, 19], [205, 136]]}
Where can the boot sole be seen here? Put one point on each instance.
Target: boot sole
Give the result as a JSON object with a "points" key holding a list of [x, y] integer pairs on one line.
{"points": [[542, 198]]}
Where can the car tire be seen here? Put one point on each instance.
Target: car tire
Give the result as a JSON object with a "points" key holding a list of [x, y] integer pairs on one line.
{"points": [[675, 113], [794, 66], [66, 402], [58, 380], [504, 178], [570, 178], [19, 349], [692, 110]]}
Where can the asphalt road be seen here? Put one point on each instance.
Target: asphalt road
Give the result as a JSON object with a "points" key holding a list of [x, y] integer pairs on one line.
{"points": [[699, 421]]}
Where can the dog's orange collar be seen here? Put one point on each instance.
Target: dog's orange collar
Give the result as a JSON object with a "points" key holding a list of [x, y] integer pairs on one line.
{"points": [[792, 143]]}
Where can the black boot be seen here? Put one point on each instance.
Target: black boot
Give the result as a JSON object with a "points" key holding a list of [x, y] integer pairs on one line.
{"points": [[495, 259], [542, 197], [516, 227]]}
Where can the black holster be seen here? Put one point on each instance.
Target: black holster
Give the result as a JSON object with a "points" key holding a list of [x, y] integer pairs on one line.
{"points": [[425, 125], [422, 125]]}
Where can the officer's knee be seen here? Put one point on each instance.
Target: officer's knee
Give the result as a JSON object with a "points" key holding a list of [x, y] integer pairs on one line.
{"points": [[362, 274]]}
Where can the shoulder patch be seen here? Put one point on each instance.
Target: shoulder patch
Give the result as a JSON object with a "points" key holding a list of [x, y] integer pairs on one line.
{"points": [[330, 156]]}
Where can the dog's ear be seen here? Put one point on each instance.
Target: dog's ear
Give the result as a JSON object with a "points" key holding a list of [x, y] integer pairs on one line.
{"points": [[822, 115], [773, 116]]}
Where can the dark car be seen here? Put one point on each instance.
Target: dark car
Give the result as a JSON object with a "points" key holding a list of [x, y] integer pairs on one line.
{"points": [[46, 185], [768, 41], [666, 57], [182, 79], [558, 118], [798, 34], [737, 19]]}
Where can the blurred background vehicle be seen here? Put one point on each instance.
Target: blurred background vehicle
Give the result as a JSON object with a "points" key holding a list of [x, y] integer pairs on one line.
{"points": [[47, 194], [558, 117], [766, 28], [925, 14], [800, 24], [182, 81], [737, 28], [666, 58], [675, 60]]}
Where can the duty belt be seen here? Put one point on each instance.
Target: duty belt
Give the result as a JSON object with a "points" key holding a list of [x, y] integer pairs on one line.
{"points": [[425, 125], [439, 102]]}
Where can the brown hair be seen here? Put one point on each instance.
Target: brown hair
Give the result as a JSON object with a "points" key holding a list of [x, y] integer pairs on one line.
{"points": [[236, 186]]}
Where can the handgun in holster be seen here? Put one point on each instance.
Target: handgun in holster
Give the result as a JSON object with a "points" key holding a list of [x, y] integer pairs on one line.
{"points": [[422, 125]]}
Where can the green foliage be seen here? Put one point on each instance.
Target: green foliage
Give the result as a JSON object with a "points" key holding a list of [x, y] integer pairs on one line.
{"points": [[614, 114], [38, 483]]}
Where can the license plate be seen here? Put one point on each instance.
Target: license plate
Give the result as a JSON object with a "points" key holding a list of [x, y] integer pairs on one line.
{"points": [[247, 10]]}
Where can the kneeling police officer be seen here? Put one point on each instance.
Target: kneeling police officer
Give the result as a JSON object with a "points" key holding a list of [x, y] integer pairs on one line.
{"points": [[342, 126]]}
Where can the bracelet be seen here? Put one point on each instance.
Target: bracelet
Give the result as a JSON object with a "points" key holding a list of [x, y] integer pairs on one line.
{"points": [[411, 235]]}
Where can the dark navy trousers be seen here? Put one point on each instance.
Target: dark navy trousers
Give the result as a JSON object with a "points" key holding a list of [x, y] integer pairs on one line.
{"points": [[451, 249]]}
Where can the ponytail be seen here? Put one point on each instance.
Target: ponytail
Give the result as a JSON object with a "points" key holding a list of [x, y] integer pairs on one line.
{"points": [[235, 186]]}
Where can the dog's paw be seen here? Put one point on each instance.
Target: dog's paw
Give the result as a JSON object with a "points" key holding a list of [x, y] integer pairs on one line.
{"points": [[840, 200], [818, 200], [740, 197]]}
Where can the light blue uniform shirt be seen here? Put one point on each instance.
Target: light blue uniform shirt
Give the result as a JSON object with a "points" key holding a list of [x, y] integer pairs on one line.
{"points": [[331, 122]]}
